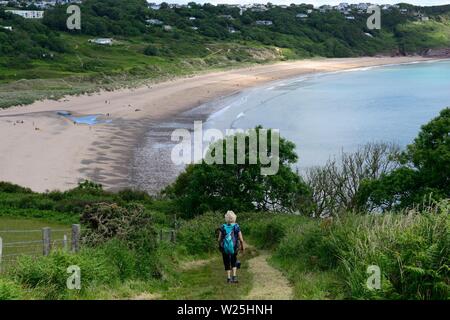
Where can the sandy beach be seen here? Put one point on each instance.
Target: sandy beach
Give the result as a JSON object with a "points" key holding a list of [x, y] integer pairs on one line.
{"points": [[43, 150]]}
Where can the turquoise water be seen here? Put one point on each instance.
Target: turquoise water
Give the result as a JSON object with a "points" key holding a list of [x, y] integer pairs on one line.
{"points": [[324, 114], [87, 119]]}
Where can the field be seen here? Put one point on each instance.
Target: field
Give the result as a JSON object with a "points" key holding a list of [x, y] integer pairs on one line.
{"points": [[24, 237]]}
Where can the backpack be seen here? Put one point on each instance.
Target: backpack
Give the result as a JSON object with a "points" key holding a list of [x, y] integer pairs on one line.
{"points": [[229, 241]]}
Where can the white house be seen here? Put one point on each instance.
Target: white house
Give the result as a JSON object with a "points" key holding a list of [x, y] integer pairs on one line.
{"points": [[226, 16], [167, 28], [264, 23], [7, 28], [102, 41], [28, 14], [154, 21], [302, 16], [154, 6], [350, 17]]}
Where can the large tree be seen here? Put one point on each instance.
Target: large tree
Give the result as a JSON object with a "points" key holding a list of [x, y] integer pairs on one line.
{"points": [[424, 174], [242, 187]]}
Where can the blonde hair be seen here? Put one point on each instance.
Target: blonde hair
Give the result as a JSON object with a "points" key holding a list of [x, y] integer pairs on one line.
{"points": [[230, 217]]}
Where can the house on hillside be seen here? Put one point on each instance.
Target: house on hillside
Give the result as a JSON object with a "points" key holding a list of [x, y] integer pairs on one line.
{"points": [[9, 28], [264, 23], [154, 6], [325, 8], [28, 14], [102, 41], [226, 16], [154, 21], [301, 15]]}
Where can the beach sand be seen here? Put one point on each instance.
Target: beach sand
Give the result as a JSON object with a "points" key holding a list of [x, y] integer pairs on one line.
{"points": [[44, 151]]}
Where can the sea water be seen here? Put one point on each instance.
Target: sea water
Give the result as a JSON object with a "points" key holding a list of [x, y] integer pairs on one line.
{"points": [[327, 113]]}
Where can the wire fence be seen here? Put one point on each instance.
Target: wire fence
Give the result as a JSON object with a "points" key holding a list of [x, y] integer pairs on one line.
{"points": [[34, 243]]}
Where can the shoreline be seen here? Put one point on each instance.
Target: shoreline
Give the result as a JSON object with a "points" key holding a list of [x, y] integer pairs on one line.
{"points": [[45, 151]]}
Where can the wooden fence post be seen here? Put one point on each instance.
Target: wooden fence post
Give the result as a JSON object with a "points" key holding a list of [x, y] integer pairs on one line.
{"points": [[65, 242], [173, 236], [75, 237], [1, 253], [46, 240]]}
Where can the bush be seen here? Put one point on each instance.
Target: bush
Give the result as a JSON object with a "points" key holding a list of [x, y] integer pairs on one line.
{"points": [[151, 50], [104, 221], [267, 234], [128, 236], [7, 187], [308, 244], [199, 236]]}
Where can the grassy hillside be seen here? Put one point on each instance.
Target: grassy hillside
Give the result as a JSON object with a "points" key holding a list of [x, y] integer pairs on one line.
{"points": [[35, 53]]}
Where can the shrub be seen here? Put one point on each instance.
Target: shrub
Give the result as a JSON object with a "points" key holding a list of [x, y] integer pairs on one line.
{"points": [[267, 234], [7, 187], [131, 224], [151, 50], [199, 236], [119, 229]]}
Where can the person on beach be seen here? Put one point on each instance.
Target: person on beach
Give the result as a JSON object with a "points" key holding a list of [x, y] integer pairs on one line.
{"points": [[230, 242]]}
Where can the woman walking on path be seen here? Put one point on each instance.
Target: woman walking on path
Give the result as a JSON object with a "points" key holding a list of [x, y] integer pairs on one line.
{"points": [[230, 241]]}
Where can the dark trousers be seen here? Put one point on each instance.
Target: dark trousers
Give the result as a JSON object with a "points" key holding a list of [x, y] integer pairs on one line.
{"points": [[229, 260]]}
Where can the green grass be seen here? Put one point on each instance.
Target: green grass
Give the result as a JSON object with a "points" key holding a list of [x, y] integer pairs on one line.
{"points": [[88, 67], [209, 282], [28, 230], [310, 283]]}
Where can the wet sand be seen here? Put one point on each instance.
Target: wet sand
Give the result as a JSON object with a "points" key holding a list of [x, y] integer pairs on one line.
{"points": [[42, 150]]}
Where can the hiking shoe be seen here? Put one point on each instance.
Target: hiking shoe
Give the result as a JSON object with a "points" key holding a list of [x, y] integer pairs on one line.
{"points": [[234, 280], [229, 280]]}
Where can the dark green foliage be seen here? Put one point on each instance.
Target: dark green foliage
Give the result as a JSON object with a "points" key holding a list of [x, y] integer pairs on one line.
{"points": [[220, 185], [130, 224], [151, 51], [322, 34], [266, 233], [63, 206], [424, 175], [199, 236], [6, 187]]}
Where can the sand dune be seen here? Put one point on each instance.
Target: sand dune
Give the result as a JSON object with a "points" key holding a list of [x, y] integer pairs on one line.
{"points": [[42, 150]]}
